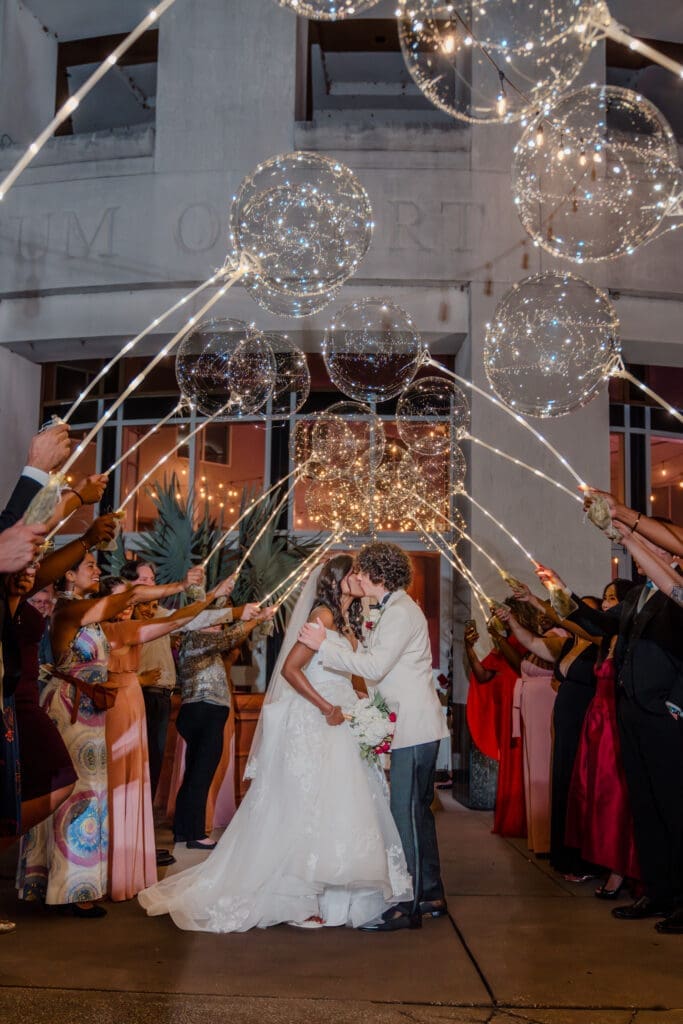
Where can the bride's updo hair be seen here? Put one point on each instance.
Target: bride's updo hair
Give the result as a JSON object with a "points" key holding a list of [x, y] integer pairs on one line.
{"points": [[328, 593]]}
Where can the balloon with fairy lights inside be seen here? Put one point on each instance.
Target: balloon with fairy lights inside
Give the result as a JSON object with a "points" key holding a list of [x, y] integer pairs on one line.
{"points": [[281, 304], [292, 380], [347, 440], [594, 176], [431, 414], [372, 350], [304, 221], [225, 364], [552, 344], [493, 61], [328, 10]]}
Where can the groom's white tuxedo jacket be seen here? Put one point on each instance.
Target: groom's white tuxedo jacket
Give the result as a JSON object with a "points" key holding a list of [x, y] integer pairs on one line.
{"points": [[397, 659]]}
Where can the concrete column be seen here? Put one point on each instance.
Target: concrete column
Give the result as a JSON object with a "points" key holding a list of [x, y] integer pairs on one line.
{"points": [[26, 100], [19, 405]]}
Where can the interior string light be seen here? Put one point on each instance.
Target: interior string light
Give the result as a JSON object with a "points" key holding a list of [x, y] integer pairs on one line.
{"points": [[249, 508], [73, 102]]}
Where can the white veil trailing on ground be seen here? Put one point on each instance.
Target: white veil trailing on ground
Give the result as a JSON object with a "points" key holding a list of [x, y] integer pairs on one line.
{"points": [[279, 691]]}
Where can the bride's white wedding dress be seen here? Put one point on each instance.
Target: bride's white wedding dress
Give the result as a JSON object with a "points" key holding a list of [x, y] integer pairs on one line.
{"points": [[314, 835]]}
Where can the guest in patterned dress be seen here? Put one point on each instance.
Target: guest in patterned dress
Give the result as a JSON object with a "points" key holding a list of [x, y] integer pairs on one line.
{"points": [[65, 860]]}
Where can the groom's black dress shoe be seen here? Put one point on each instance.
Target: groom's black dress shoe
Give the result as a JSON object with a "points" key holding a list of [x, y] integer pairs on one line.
{"points": [[433, 908], [194, 844], [643, 907], [394, 922], [671, 925]]}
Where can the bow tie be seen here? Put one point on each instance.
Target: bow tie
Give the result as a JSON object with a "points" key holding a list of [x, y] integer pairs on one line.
{"points": [[649, 585], [374, 607]]}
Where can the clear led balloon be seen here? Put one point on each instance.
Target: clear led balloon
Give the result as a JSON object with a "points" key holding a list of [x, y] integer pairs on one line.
{"points": [[493, 61], [551, 345], [594, 176], [225, 361], [280, 304], [431, 414], [372, 350], [304, 220], [328, 10], [347, 440], [292, 380]]}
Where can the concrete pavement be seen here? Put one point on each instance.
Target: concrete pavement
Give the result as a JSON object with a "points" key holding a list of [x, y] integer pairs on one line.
{"points": [[521, 946]]}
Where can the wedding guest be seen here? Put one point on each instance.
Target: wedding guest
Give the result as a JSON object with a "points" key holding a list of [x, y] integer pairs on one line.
{"points": [[132, 854], [201, 720], [574, 660], [599, 819], [489, 717], [44, 601], [65, 860], [649, 671]]}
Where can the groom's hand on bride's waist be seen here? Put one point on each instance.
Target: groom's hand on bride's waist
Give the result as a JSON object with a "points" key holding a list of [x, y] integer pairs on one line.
{"points": [[312, 635]]}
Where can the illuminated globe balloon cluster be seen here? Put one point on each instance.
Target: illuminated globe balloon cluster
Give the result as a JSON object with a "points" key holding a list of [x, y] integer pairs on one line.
{"points": [[493, 61], [552, 344], [594, 175], [225, 365], [292, 384], [304, 221], [432, 413], [328, 10], [372, 350]]}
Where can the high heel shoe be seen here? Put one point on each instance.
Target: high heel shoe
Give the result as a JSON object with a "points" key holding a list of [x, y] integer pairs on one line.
{"points": [[602, 893]]}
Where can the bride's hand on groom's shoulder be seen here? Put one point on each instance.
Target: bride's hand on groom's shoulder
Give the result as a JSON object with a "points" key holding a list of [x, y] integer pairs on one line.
{"points": [[312, 635]]}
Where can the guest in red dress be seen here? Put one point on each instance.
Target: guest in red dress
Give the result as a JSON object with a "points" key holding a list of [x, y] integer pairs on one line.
{"points": [[489, 717], [599, 820]]}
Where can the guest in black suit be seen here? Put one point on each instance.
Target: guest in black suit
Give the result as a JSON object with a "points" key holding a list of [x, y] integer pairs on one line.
{"points": [[649, 672]]}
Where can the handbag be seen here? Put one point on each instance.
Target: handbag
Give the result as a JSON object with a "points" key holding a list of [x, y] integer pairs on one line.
{"points": [[102, 697]]}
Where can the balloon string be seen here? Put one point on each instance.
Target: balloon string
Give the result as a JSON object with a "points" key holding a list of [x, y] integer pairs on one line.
{"points": [[524, 465], [462, 533], [513, 415], [502, 527], [250, 507], [67, 109], [241, 270], [130, 345], [454, 560], [300, 571], [167, 455], [273, 515], [601, 19], [624, 374]]}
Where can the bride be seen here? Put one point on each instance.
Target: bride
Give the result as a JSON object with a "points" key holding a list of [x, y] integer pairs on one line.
{"points": [[313, 842]]}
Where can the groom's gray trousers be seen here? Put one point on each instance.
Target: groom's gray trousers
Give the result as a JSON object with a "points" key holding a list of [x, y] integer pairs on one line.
{"points": [[412, 793]]}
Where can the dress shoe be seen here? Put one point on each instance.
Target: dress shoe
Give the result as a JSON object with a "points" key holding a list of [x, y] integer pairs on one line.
{"points": [[602, 893], [7, 926], [643, 907], [433, 908], [196, 844], [394, 922], [164, 859], [671, 925]]}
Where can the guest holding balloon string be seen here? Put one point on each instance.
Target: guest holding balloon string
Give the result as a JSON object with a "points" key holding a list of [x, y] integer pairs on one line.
{"points": [[649, 671], [132, 854], [574, 660], [65, 859], [489, 717]]}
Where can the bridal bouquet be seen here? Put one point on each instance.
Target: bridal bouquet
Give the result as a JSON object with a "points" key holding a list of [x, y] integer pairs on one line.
{"points": [[373, 725]]}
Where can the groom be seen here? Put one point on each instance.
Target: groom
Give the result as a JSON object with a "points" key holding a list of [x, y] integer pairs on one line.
{"points": [[396, 658]]}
